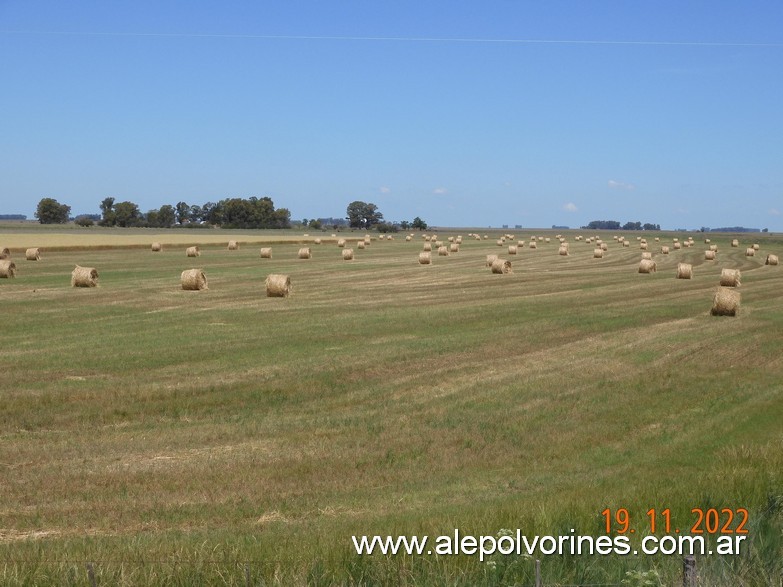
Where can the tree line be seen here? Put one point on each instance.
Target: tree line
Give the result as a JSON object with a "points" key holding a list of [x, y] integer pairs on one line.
{"points": [[615, 225]]}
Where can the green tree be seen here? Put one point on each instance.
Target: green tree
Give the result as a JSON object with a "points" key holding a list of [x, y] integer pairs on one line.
{"points": [[418, 224], [50, 211], [108, 217], [127, 214], [363, 214], [166, 216], [182, 211]]}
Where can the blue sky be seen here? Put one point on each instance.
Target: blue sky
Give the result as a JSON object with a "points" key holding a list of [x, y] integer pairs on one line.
{"points": [[463, 113]]}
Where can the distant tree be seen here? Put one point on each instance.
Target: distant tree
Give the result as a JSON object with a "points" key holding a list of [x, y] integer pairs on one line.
{"points": [[315, 224], [166, 216], [108, 217], [196, 213], [305, 222], [405, 225], [649, 226], [50, 211], [363, 215], [632, 226], [152, 219], [182, 211], [84, 220], [385, 227], [127, 214], [418, 224]]}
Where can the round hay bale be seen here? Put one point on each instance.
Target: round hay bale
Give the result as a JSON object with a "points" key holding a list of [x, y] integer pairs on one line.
{"points": [[7, 268], [5, 252], [32, 254], [677, 246], [458, 240], [360, 244], [193, 280], [714, 248], [750, 252], [756, 247], [546, 240], [234, 245], [408, 238], [347, 254], [454, 248], [730, 277], [84, 277], [604, 247], [266, 253], [771, 260], [647, 266], [341, 243], [520, 244], [304, 253], [726, 302], [277, 285], [443, 251], [643, 246], [450, 239], [500, 242], [501, 266], [367, 240], [512, 249], [425, 258], [533, 245], [646, 255], [598, 253], [563, 251], [709, 255], [675, 239], [626, 243], [427, 247], [192, 252], [665, 250], [735, 243], [684, 271], [317, 241], [157, 247], [706, 241], [657, 239], [491, 259]]}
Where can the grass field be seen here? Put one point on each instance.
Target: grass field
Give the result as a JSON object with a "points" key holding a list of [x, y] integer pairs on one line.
{"points": [[170, 437]]}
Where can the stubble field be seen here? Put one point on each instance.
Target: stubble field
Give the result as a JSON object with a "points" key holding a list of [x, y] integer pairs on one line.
{"points": [[223, 437]]}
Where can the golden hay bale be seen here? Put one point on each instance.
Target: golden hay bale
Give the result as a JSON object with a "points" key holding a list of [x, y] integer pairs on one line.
{"points": [[486, 236], [675, 239], [425, 258], [501, 266], [347, 254], [454, 248], [520, 244], [563, 251], [604, 247], [450, 239], [7, 268], [266, 253], [317, 241], [193, 252], [408, 238], [500, 242], [443, 251], [771, 260], [684, 271], [726, 302], [427, 247], [533, 245], [626, 243], [657, 239], [735, 243], [367, 240], [233, 245], [193, 280], [709, 255], [646, 255], [714, 248], [32, 254], [304, 253], [750, 252], [756, 247], [665, 250], [647, 266], [458, 240], [5, 252], [334, 235], [341, 243], [491, 259], [157, 247], [706, 241], [547, 239], [598, 253], [361, 244], [643, 246], [84, 277], [512, 249], [730, 277], [677, 246], [277, 285]]}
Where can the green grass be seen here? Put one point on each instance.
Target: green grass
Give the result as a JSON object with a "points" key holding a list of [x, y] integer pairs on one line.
{"points": [[174, 438]]}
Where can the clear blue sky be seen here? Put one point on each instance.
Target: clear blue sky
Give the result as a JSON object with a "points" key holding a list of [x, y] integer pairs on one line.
{"points": [[670, 114]]}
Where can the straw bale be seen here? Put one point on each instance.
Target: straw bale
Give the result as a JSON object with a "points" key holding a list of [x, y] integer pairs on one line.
{"points": [[277, 285], [512, 249], [647, 266], [7, 268], [598, 253], [304, 253], [750, 252], [193, 252], [234, 245], [735, 243], [709, 255], [443, 251], [684, 271], [771, 260], [266, 253], [665, 250], [491, 259], [425, 258], [347, 254], [646, 255], [726, 302], [157, 247], [361, 244], [5, 253], [33, 254], [501, 266], [193, 280], [730, 277], [341, 243], [84, 277]]}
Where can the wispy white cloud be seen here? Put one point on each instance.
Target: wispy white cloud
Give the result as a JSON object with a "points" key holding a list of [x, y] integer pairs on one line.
{"points": [[774, 212], [570, 207], [620, 185], [384, 190], [440, 191]]}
